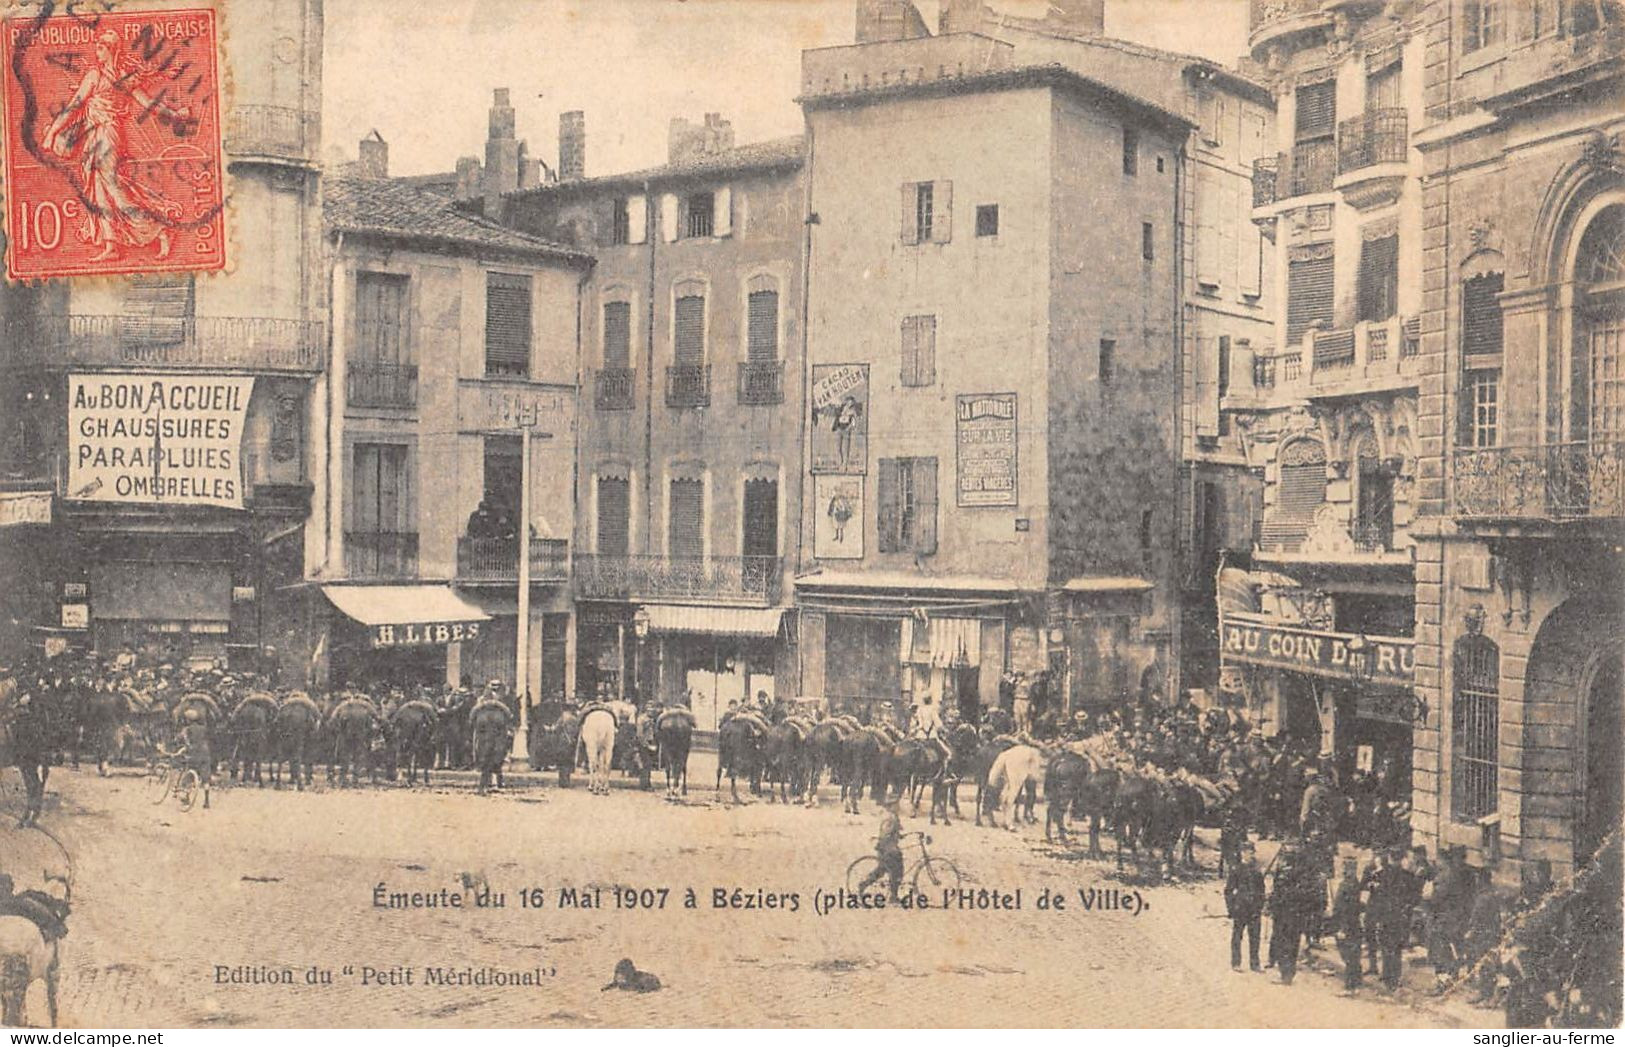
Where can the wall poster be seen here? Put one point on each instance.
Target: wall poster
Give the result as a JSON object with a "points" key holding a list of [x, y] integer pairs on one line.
{"points": [[985, 438], [838, 531], [840, 418]]}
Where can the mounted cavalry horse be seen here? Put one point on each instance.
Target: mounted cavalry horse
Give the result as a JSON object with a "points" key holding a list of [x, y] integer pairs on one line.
{"points": [[490, 733], [414, 729], [554, 744], [825, 744], [294, 731], [600, 723], [784, 756], [250, 730], [351, 726], [862, 755], [741, 742], [674, 736], [32, 924]]}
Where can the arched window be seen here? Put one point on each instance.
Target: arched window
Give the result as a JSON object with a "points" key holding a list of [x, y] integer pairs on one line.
{"points": [[1475, 728], [762, 323], [1300, 492], [1598, 375], [1374, 513]]}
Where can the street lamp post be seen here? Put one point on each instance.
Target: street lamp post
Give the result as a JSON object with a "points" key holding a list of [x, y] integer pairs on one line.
{"points": [[640, 629], [520, 751]]}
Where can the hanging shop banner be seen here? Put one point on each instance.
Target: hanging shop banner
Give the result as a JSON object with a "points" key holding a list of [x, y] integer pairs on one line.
{"points": [[25, 507], [157, 439], [840, 418], [1343, 656], [838, 533], [985, 435]]}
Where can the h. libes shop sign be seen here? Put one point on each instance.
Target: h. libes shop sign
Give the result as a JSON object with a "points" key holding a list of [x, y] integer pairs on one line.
{"points": [[1382, 660], [419, 634], [157, 439]]}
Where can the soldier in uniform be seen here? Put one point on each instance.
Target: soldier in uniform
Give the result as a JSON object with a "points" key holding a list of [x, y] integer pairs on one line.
{"points": [[1244, 902], [1347, 909]]}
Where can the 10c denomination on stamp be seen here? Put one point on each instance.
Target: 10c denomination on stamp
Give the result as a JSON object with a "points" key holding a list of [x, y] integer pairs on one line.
{"points": [[112, 143]]}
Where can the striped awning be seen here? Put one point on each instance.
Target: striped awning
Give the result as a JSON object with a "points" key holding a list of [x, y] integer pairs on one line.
{"points": [[714, 621]]}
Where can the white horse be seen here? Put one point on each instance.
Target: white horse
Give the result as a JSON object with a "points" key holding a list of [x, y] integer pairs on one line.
{"points": [[25, 958], [597, 738], [1015, 770]]}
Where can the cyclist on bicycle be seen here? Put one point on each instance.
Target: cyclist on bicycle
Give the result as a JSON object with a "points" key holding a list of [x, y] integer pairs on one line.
{"points": [[889, 851], [195, 752]]}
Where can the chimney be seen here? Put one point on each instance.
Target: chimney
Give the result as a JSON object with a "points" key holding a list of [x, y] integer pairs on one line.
{"points": [[1078, 16], [880, 20], [501, 152], [572, 145], [374, 157], [959, 16], [688, 141], [469, 179]]}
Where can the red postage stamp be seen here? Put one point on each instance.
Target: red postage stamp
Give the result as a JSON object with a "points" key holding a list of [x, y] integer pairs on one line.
{"points": [[112, 143]]}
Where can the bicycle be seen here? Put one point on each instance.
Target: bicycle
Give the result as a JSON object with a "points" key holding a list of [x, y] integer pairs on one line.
{"points": [[165, 777], [940, 874]]}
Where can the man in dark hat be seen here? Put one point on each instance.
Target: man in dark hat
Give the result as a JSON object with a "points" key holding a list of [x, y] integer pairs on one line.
{"points": [[1452, 901], [1296, 894], [1347, 909], [1393, 896], [1244, 902]]}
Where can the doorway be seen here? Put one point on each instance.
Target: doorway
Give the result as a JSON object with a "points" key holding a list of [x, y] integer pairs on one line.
{"points": [[1601, 810]]}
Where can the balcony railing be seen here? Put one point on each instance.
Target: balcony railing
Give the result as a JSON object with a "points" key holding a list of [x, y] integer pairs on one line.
{"points": [[1374, 137], [272, 130], [1291, 366], [734, 579], [1334, 349], [613, 389], [1568, 481], [371, 384], [1261, 13], [248, 343], [1263, 372], [761, 382], [688, 385], [497, 559], [381, 554], [1310, 168]]}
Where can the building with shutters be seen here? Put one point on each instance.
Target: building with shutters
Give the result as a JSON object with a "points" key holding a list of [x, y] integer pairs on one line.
{"points": [[1323, 416], [994, 338], [181, 555], [1522, 432], [453, 342], [690, 449]]}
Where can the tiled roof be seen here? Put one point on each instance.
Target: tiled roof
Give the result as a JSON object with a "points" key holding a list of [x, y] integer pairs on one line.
{"points": [[768, 155], [394, 208]]}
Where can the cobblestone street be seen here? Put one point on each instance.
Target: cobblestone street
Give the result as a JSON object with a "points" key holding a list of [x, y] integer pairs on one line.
{"points": [[285, 882]]}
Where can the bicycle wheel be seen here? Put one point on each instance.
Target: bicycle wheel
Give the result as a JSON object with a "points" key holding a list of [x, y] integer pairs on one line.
{"points": [[936, 874], [159, 781], [186, 789], [864, 869]]}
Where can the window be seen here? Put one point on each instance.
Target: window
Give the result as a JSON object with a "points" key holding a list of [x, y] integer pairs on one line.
{"points": [[1131, 150], [927, 212], [761, 518], [1481, 407], [1379, 278], [1475, 719], [1148, 246], [1159, 165], [987, 220], [1316, 111], [762, 323], [1300, 492], [157, 312], [1146, 554], [503, 478], [380, 371], [685, 520], [1309, 291], [1382, 88], [617, 335], [507, 324], [1598, 366], [614, 516], [1374, 509], [907, 500], [1213, 114], [1481, 314], [620, 229], [378, 542], [919, 354], [700, 212], [1105, 369], [689, 326], [1224, 365], [1483, 24]]}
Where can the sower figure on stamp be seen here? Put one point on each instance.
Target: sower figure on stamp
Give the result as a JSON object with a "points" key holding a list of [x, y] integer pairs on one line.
{"points": [[1244, 902], [96, 123]]}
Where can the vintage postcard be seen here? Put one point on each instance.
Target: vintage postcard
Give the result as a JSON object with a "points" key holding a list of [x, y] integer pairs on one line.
{"points": [[812, 513]]}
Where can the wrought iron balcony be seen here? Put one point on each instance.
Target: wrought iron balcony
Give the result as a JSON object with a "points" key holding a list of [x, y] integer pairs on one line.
{"points": [[1309, 168], [688, 385], [614, 389], [1269, 20], [761, 382], [373, 384], [727, 579], [244, 343], [1375, 137], [1557, 482], [276, 131], [1266, 173], [381, 554], [497, 559]]}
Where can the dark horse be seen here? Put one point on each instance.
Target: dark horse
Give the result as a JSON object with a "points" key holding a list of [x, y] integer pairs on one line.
{"points": [[100, 715], [250, 731], [297, 722], [415, 729], [554, 745], [785, 757], [739, 752], [26, 744], [490, 732], [912, 764], [826, 743], [353, 723], [861, 758], [674, 735]]}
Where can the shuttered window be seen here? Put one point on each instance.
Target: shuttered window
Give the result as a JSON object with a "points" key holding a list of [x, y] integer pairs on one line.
{"points": [[1481, 314], [907, 505], [690, 330], [1379, 278], [1308, 294], [618, 335], [1131, 150], [1317, 111], [1300, 491], [919, 350], [380, 500], [927, 212], [685, 535], [614, 516], [761, 517], [380, 311], [157, 310], [763, 323], [507, 324]]}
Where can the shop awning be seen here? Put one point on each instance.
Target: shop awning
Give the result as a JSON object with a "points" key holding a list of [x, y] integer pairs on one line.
{"points": [[714, 621], [408, 615], [1107, 584]]}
